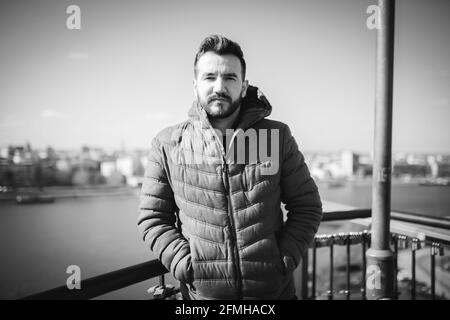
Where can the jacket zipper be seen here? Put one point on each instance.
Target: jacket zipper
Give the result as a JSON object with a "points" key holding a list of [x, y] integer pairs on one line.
{"points": [[232, 227], [226, 182]]}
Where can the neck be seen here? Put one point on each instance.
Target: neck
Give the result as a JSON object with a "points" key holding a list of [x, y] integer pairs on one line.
{"points": [[225, 123]]}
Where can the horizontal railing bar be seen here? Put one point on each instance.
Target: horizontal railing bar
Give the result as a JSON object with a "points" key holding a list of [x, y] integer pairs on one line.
{"points": [[105, 283], [346, 215], [421, 219], [395, 215]]}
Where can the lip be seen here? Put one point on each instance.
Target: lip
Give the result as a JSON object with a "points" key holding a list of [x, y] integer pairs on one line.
{"points": [[220, 99]]}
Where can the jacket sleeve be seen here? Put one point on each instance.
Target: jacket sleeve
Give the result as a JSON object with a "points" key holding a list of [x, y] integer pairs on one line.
{"points": [[302, 202], [157, 218]]}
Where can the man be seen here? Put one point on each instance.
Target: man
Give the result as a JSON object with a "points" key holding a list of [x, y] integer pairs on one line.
{"points": [[211, 198]]}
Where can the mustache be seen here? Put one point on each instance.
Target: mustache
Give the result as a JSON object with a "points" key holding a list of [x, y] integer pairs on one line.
{"points": [[218, 96]]}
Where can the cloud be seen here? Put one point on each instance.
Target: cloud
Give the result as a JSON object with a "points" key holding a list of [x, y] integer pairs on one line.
{"points": [[74, 55]]}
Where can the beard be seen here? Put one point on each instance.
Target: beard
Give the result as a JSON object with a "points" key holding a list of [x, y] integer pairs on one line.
{"points": [[220, 106]]}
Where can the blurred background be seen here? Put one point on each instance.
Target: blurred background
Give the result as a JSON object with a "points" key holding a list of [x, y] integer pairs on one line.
{"points": [[79, 107]]}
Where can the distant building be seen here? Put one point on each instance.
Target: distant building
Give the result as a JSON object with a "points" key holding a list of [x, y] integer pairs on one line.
{"points": [[416, 159], [443, 170], [412, 170], [18, 155], [107, 168], [86, 169], [112, 176], [4, 153], [63, 171], [125, 165], [319, 172], [349, 162], [132, 168]]}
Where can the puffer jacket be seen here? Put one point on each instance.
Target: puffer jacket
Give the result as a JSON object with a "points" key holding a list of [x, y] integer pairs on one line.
{"points": [[217, 224]]}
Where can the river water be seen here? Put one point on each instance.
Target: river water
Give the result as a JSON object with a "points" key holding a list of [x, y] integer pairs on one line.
{"points": [[39, 241], [413, 198]]}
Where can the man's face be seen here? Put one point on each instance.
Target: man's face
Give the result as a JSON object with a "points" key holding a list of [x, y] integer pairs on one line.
{"points": [[218, 85]]}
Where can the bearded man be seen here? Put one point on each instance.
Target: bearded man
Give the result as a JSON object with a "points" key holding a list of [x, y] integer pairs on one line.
{"points": [[210, 204]]}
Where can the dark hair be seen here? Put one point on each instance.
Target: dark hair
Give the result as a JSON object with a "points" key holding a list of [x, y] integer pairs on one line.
{"points": [[220, 45]]}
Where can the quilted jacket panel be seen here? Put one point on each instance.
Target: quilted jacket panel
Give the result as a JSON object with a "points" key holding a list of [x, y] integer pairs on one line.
{"points": [[216, 223]]}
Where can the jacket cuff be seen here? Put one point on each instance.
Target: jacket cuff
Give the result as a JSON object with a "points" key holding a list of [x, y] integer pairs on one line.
{"points": [[289, 264]]}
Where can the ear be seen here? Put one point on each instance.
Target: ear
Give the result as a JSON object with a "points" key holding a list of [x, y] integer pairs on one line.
{"points": [[194, 88], [244, 88]]}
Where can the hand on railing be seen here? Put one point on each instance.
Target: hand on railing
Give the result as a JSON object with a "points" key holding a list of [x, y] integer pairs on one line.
{"points": [[163, 292]]}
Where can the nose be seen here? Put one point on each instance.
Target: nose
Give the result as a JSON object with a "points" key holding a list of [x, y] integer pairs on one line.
{"points": [[219, 85]]}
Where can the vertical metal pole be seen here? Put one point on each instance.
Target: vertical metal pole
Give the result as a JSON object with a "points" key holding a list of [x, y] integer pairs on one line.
{"points": [[396, 266], [347, 291], [314, 272], [330, 291], [432, 271], [413, 274], [380, 259], [364, 264], [304, 276]]}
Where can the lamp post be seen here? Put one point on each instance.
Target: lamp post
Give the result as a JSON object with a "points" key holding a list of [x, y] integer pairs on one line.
{"points": [[380, 271]]}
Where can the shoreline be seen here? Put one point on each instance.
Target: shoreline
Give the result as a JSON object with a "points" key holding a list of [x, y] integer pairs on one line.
{"points": [[425, 182], [65, 192]]}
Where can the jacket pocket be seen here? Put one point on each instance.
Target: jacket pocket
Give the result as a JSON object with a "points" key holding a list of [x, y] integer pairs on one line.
{"points": [[279, 263]]}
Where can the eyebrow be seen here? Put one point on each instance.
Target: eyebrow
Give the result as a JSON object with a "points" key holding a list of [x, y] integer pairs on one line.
{"points": [[230, 74]]}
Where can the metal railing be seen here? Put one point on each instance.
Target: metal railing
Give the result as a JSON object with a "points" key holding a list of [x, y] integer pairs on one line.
{"points": [[345, 239], [426, 238], [105, 283]]}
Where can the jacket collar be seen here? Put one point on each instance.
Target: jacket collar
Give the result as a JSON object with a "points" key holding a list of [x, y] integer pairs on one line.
{"points": [[254, 107]]}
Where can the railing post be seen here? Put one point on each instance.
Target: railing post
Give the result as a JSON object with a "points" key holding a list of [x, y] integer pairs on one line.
{"points": [[331, 288], [303, 277], [380, 259], [415, 245], [348, 244], [365, 240], [436, 250], [313, 288]]}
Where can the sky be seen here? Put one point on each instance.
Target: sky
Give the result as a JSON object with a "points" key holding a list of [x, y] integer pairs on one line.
{"points": [[127, 73]]}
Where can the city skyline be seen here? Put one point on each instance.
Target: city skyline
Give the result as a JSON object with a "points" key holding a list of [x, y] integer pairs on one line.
{"points": [[127, 73]]}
